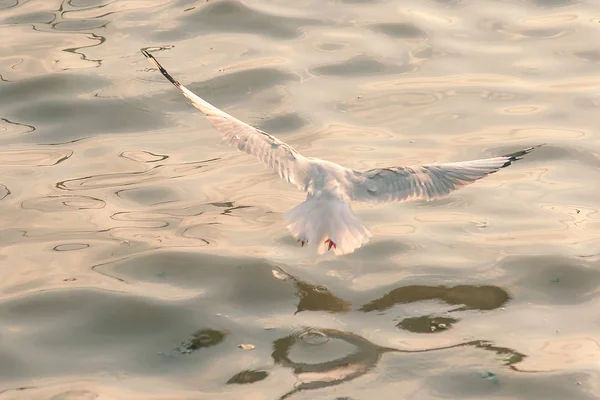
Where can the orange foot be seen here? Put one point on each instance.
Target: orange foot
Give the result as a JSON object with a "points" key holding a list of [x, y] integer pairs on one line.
{"points": [[303, 242], [331, 244]]}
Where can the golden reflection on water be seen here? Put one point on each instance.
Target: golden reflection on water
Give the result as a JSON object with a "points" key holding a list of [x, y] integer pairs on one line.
{"points": [[138, 252]]}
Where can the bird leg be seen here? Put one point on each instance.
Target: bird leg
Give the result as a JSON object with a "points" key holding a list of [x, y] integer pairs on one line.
{"points": [[331, 244], [303, 242]]}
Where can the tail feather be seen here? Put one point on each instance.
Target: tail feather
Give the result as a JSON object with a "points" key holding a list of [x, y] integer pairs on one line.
{"points": [[324, 216]]}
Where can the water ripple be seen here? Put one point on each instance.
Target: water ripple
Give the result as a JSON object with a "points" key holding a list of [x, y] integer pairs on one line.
{"points": [[116, 180], [4, 192], [15, 128], [234, 16], [342, 357], [62, 203], [34, 158], [133, 242]]}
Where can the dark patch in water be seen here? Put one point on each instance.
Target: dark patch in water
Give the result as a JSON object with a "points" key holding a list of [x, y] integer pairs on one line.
{"points": [[236, 17], [361, 66], [247, 376], [471, 297], [400, 30], [202, 339], [282, 123], [426, 324]]}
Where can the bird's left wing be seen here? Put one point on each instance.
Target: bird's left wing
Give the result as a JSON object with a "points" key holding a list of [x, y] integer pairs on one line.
{"points": [[426, 182], [287, 162]]}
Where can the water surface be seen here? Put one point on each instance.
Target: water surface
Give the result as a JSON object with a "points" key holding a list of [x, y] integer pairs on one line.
{"points": [[138, 252]]}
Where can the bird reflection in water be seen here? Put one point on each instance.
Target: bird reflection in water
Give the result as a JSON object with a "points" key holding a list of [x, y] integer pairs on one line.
{"points": [[325, 365], [322, 358], [314, 297], [466, 296], [319, 298], [361, 355], [469, 297]]}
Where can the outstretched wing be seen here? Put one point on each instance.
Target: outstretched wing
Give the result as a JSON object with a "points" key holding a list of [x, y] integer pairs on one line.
{"points": [[287, 162], [425, 182]]}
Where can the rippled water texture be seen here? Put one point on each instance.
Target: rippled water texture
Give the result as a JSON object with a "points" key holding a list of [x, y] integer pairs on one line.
{"points": [[142, 258]]}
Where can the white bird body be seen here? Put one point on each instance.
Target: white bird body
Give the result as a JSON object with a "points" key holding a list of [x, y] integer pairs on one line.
{"points": [[325, 219]]}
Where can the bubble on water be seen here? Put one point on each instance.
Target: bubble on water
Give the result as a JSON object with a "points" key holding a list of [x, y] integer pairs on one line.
{"points": [[320, 289], [313, 337], [278, 274]]}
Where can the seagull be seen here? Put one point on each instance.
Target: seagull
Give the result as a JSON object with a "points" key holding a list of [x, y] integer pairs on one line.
{"points": [[325, 219]]}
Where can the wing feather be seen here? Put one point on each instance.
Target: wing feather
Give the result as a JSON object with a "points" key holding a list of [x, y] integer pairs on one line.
{"points": [[425, 182], [287, 162]]}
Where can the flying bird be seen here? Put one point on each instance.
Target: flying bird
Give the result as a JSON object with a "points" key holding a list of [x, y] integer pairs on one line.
{"points": [[325, 219]]}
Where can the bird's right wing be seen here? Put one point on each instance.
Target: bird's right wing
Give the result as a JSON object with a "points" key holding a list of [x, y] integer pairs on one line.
{"points": [[426, 182], [287, 162]]}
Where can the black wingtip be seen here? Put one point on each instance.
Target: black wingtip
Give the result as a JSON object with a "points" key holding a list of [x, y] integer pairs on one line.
{"points": [[516, 156], [161, 69]]}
